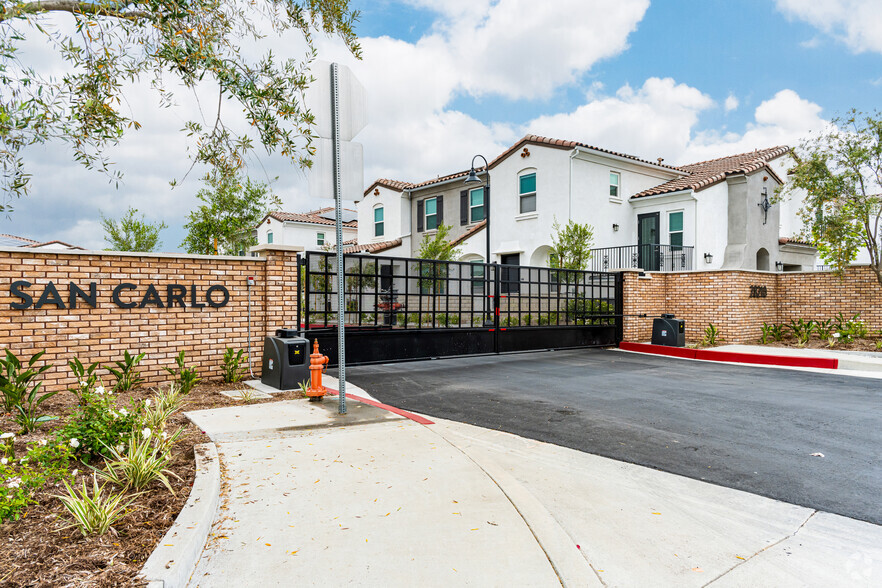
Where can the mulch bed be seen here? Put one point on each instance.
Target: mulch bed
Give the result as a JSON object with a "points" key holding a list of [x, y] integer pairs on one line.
{"points": [[36, 551]]}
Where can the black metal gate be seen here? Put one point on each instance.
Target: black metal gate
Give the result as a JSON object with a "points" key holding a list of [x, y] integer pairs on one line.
{"points": [[400, 309]]}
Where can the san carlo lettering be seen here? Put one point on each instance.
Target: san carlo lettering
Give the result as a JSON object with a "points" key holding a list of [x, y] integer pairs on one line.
{"points": [[124, 295]]}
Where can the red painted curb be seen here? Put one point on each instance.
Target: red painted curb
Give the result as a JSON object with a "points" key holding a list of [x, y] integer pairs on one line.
{"points": [[732, 356], [408, 415]]}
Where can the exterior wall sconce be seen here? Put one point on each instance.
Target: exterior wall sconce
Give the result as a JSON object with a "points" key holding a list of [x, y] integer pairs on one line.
{"points": [[779, 265], [708, 258], [765, 205], [615, 227]]}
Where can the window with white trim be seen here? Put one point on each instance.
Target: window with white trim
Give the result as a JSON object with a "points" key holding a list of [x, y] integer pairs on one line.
{"points": [[675, 230], [615, 184], [430, 207], [378, 222], [527, 192], [476, 205], [319, 238]]}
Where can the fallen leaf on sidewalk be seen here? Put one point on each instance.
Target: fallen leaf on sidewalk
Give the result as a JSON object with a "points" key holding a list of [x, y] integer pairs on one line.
{"points": [[657, 513], [697, 570], [817, 454], [739, 557]]}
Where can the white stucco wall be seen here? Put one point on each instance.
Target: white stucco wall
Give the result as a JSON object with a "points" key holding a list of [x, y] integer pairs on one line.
{"points": [[396, 218], [300, 234]]}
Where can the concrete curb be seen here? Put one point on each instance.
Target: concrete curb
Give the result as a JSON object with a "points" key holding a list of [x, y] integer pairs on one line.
{"points": [[172, 562], [568, 562]]}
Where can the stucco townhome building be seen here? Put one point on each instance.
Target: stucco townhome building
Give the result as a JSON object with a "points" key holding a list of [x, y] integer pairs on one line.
{"points": [[713, 214], [313, 231]]}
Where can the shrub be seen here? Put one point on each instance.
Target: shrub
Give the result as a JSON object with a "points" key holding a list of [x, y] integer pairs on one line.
{"points": [[99, 424], [510, 321], [185, 377], [15, 379], [168, 402], [801, 329], [126, 376], [45, 461], [528, 319], [234, 371], [93, 515], [86, 377], [143, 460], [824, 328], [711, 335], [767, 333]]}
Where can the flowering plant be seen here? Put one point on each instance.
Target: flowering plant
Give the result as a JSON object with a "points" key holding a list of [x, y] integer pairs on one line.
{"points": [[99, 424], [19, 479]]}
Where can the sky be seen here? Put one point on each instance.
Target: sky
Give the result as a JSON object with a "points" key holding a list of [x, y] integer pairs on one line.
{"points": [[685, 80]]}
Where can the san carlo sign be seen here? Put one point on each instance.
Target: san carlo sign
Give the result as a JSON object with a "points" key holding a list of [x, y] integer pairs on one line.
{"points": [[123, 295]]}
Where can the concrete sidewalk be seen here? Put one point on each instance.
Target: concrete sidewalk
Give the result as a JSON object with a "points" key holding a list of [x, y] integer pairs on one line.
{"points": [[370, 499]]}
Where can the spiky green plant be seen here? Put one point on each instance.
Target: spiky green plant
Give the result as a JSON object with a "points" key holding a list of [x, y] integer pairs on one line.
{"points": [[143, 460], [94, 515]]}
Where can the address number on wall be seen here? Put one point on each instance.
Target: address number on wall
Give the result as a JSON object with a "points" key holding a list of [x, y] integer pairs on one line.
{"points": [[758, 292]]}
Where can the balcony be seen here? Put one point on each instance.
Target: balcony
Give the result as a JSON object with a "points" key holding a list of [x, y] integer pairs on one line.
{"points": [[651, 258]]}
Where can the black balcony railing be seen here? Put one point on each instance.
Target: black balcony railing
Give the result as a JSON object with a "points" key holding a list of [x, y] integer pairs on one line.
{"points": [[651, 258]]}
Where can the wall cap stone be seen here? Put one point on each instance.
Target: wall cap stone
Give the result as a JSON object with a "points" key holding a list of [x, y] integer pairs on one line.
{"points": [[37, 252], [276, 247]]}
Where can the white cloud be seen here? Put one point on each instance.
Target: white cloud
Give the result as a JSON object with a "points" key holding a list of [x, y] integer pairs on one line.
{"points": [[854, 22], [731, 103]]}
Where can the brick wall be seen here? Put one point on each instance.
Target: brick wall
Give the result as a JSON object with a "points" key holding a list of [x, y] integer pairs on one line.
{"points": [[723, 298], [103, 333]]}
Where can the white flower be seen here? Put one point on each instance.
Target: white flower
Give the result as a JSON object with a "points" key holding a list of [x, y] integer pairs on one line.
{"points": [[4, 461], [43, 443], [7, 436], [147, 403], [164, 435], [836, 335], [123, 412], [146, 432], [14, 483], [74, 442], [74, 473]]}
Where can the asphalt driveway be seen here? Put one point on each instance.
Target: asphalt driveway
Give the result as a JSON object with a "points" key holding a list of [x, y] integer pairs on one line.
{"points": [[748, 428]]}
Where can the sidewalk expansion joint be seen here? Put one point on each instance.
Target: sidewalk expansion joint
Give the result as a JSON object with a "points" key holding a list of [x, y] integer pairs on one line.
{"points": [[766, 548], [280, 431]]}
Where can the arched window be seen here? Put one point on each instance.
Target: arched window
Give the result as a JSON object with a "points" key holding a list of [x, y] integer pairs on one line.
{"points": [[269, 236], [379, 226], [527, 191], [762, 260]]}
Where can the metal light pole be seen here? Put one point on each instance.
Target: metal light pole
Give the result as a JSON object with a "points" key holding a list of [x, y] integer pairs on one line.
{"points": [[473, 179]]}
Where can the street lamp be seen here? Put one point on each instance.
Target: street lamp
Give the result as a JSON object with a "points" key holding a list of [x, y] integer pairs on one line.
{"points": [[473, 179]]}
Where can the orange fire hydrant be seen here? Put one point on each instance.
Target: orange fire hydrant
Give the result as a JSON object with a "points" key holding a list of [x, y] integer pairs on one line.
{"points": [[317, 363]]}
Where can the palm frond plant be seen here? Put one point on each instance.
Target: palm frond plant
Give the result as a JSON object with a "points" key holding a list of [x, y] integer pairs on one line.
{"points": [[94, 513]]}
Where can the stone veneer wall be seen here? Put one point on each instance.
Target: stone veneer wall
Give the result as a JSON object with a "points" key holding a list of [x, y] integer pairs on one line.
{"points": [[102, 334], [723, 298]]}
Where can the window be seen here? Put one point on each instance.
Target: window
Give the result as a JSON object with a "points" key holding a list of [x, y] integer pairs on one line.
{"points": [[378, 221], [527, 192], [675, 228], [476, 205], [319, 238], [477, 276], [431, 208], [269, 236], [615, 181]]}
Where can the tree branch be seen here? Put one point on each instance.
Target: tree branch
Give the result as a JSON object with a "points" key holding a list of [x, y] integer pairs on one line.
{"points": [[114, 10]]}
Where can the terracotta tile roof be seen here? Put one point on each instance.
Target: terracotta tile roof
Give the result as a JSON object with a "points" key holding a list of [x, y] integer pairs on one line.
{"points": [[311, 217], [391, 184], [793, 241], [705, 174], [372, 247], [36, 245], [562, 144], [473, 230], [7, 240]]}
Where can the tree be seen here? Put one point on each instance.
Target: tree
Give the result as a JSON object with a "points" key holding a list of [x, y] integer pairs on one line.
{"points": [[131, 233], [170, 44], [436, 247], [229, 214], [841, 173], [571, 246]]}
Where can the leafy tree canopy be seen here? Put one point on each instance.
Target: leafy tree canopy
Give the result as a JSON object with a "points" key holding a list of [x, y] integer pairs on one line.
{"points": [[438, 246], [168, 43], [841, 173], [131, 233], [571, 245], [231, 209]]}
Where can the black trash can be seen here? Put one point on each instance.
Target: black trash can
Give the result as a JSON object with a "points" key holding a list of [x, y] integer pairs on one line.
{"points": [[669, 331], [285, 360]]}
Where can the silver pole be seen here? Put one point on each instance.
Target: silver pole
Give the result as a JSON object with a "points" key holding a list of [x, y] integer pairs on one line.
{"points": [[338, 203]]}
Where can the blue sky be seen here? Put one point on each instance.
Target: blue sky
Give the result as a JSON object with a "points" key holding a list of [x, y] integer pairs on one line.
{"points": [[447, 79]]}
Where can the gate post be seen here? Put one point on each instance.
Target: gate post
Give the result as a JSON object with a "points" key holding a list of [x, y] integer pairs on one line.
{"points": [[620, 307], [496, 305]]}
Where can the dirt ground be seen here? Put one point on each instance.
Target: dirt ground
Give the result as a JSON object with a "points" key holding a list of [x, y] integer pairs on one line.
{"points": [[37, 551]]}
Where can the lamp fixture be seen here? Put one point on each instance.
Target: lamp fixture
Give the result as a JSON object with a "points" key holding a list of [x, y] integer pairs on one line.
{"points": [[779, 265], [708, 258], [765, 205], [615, 227]]}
